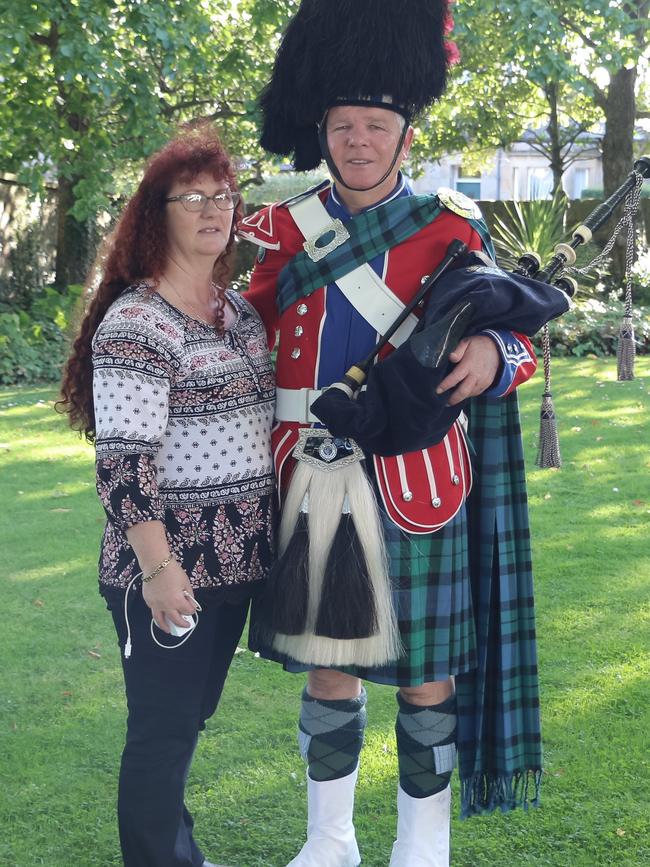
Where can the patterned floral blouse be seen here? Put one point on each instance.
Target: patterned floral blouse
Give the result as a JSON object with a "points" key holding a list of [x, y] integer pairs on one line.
{"points": [[183, 418]]}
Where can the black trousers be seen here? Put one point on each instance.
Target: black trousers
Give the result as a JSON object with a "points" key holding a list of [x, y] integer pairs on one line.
{"points": [[170, 694]]}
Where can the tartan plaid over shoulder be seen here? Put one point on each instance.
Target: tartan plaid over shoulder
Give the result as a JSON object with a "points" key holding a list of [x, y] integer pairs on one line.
{"points": [[372, 232], [499, 740]]}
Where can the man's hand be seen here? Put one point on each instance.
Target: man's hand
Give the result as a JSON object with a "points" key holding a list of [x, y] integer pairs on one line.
{"points": [[477, 363]]}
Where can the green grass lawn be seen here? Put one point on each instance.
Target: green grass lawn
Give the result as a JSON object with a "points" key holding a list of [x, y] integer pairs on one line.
{"points": [[62, 709]]}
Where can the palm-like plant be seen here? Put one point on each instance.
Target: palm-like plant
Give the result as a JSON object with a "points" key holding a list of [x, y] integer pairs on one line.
{"points": [[535, 226]]}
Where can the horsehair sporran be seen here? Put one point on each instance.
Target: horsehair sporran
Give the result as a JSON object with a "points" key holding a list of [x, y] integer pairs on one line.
{"points": [[324, 495]]}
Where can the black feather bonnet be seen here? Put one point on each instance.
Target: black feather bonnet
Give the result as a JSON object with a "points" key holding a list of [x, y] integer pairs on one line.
{"points": [[344, 51]]}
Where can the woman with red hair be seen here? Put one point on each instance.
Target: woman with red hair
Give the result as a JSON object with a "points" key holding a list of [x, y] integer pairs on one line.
{"points": [[171, 378]]}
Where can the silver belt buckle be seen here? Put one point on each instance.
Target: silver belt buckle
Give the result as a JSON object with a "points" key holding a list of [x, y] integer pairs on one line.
{"points": [[317, 251], [318, 448]]}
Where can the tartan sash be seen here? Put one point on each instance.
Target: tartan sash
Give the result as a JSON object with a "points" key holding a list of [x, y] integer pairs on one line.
{"points": [[499, 740], [371, 234]]}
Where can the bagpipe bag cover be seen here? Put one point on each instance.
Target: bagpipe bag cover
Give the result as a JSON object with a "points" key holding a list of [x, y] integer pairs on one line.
{"points": [[399, 411]]}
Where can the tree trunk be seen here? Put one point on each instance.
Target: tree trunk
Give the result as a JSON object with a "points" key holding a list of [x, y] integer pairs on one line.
{"points": [[618, 142], [553, 129], [75, 242], [618, 148]]}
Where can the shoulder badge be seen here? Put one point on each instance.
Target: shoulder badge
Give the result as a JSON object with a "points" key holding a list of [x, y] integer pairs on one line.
{"points": [[459, 203], [260, 228]]}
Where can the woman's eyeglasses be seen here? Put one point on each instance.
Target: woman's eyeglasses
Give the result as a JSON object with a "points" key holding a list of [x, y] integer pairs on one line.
{"points": [[195, 202]]}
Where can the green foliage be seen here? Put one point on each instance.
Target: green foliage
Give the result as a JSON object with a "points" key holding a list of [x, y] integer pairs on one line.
{"points": [[591, 328], [641, 278], [19, 360], [34, 343], [514, 55], [598, 193], [276, 188], [27, 266], [535, 227], [91, 87]]}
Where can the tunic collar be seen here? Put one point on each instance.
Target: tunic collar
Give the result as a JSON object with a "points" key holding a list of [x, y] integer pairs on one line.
{"points": [[336, 207]]}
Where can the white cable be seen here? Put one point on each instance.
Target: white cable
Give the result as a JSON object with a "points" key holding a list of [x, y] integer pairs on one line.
{"points": [[128, 646], [178, 644]]}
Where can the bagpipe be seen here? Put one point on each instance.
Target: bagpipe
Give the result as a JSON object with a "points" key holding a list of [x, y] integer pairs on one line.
{"points": [[560, 269], [400, 410]]}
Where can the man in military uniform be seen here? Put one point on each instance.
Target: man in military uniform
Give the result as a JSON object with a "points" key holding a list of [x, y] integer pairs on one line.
{"points": [[425, 508]]}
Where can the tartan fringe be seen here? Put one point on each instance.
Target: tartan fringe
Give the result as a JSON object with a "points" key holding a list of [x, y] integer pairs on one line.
{"points": [[484, 792]]}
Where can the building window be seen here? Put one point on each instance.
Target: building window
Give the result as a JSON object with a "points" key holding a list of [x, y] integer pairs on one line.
{"points": [[516, 183], [540, 183], [580, 182], [469, 184]]}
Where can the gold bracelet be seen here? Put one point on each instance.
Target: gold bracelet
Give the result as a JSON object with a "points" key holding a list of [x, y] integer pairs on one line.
{"points": [[157, 570]]}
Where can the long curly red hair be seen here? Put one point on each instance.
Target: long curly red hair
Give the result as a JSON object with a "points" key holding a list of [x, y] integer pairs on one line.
{"points": [[137, 250]]}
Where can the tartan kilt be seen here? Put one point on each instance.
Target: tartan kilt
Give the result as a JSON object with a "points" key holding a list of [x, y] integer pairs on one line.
{"points": [[432, 597]]}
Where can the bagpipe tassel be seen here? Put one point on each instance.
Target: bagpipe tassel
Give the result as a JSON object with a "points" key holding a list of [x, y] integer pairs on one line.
{"points": [[350, 617], [626, 350], [548, 447]]}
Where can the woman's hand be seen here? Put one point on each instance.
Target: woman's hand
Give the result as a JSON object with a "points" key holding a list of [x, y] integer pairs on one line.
{"points": [[169, 594]]}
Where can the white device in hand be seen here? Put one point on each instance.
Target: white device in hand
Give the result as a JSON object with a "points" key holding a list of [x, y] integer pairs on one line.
{"points": [[178, 631]]}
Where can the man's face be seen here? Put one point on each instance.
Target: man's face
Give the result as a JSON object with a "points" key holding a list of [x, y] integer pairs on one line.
{"points": [[362, 142]]}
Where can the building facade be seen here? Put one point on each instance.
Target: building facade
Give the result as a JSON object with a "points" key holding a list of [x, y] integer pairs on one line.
{"points": [[518, 173]]}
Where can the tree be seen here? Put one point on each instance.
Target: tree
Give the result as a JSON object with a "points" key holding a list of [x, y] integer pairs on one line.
{"points": [[91, 87], [579, 59]]}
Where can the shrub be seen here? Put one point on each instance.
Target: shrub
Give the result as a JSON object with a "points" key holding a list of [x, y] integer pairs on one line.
{"points": [[27, 266], [34, 344], [599, 193], [281, 186], [641, 278], [591, 328]]}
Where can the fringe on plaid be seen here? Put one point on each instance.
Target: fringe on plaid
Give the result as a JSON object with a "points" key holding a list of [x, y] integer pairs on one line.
{"points": [[483, 792]]}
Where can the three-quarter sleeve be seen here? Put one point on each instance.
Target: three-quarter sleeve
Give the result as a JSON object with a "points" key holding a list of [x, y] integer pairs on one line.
{"points": [[135, 358]]}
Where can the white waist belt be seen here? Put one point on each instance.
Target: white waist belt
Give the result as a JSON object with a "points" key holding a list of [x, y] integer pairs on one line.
{"points": [[292, 404]]}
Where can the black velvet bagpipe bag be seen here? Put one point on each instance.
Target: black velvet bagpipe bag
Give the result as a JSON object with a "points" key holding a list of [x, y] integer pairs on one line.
{"points": [[399, 411]]}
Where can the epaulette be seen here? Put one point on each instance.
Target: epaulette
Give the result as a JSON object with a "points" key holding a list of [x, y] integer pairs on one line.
{"points": [[459, 203], [261, 227]]}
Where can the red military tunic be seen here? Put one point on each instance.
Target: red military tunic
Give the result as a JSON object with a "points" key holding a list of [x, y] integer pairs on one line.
{"points": [[305, 347]]}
